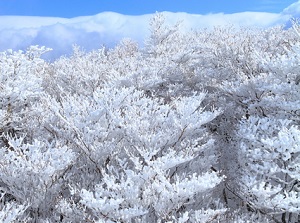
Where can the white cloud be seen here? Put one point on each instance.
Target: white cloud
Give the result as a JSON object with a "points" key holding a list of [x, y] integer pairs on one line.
{"points": [[108, 28], [293, 9]]}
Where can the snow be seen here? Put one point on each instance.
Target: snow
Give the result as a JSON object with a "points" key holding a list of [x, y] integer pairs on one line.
{"points": [[108, 28]]}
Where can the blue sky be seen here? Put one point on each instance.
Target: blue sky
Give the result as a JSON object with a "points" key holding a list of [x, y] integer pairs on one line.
{"points": [[57, 28], [73, 8]]}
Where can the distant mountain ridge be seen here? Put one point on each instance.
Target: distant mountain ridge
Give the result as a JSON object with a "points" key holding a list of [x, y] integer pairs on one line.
{"points": [[108, 28]]}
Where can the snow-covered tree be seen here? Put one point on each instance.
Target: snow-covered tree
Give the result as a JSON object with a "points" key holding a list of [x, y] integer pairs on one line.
{"points": [[194, 126], [268, 138], [31, 162], [144, 159], [11, 211], [269, 159]]}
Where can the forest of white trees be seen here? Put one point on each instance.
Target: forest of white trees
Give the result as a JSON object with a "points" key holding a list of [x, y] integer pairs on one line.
{"points": [[199, 126]]}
